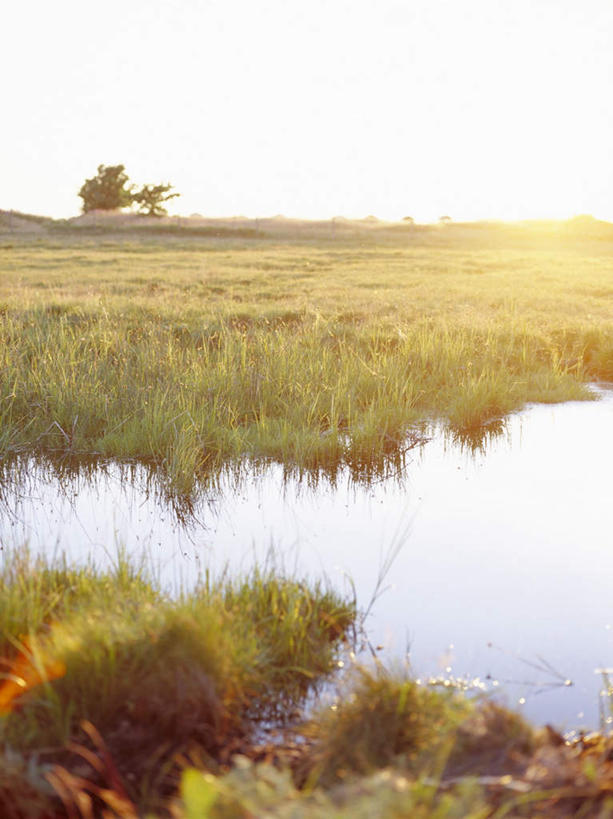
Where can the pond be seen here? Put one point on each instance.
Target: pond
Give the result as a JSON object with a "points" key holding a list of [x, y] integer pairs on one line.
{"points": [[491, 561]]}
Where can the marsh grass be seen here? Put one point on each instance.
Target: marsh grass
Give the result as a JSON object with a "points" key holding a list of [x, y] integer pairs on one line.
{"points": [[156, 675], [35, 592], [194, 355], [392, 748], [117, 700], [381, 717]]}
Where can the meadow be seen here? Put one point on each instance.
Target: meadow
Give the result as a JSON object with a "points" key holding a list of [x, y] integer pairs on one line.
{"points": [[196, 353], [193, 354]]}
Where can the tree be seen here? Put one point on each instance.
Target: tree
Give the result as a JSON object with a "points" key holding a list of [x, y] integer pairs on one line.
{"points": [[150, 198], [108, 190]]}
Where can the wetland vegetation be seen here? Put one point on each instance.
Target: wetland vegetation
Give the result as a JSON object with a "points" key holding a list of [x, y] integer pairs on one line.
{"points": [[118, 701], [193, 353]]}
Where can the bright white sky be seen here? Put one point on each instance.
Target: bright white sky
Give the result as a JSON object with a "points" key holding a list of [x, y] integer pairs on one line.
{"points": [[472, 108]]}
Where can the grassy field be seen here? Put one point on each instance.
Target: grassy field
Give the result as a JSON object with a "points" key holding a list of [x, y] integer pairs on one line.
{"points": [[194, 353]]}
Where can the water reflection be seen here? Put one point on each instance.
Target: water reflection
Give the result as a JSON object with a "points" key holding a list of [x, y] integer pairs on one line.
{"points": [[74, 474], [495, 552], [23, 479], [478, 440]]}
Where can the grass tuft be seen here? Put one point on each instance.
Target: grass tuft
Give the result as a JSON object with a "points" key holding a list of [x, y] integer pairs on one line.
{"points": [[155, 675], [382, 719]]}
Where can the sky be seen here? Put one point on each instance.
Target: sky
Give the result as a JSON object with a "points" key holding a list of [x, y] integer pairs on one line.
{"points": [[469, 108]]}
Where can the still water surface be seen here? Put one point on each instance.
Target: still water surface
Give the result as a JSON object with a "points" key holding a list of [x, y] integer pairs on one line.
{"points": [[502, 557]]}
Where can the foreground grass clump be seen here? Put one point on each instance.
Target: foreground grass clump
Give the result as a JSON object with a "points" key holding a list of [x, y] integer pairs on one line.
{"points": [[382, 717], [196, 354], [392, 748], [36, 593], [118, 701], [155, 676]]}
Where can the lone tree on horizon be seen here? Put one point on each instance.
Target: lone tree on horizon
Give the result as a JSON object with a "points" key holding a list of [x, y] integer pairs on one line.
{"points": [[108, 190], [150, 198]]}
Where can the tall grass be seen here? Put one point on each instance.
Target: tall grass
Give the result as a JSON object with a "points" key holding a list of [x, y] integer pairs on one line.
{"points": [[195, 356], [155, 676]]}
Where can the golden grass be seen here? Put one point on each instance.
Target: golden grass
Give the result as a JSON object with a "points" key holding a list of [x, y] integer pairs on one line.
{"points": [[194, 353]]}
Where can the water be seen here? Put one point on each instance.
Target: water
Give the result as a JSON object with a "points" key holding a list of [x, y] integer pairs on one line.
{"points": [[501, 558]]}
